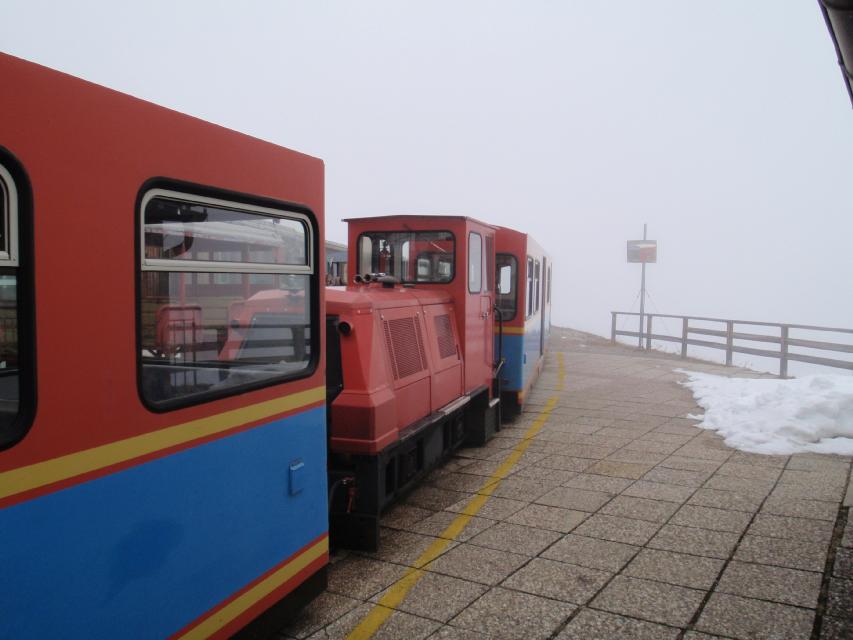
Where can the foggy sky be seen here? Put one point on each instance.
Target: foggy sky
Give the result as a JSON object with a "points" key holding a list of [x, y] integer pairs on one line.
{"points": [[724, 125]]}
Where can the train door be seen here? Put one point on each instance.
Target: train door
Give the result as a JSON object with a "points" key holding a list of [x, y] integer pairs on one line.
{"points": [[475, 348], [487, 300], [479, 289]]}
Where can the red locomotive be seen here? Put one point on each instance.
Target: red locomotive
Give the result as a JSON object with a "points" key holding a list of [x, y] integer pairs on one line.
{"points": [[410, 360]]}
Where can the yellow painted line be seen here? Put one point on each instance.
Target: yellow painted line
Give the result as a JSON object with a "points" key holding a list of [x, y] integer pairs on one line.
{"points": [[74, 464], [265, 587], [387, 604]]}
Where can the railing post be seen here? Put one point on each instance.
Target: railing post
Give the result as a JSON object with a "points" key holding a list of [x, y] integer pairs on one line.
{"points": [[729, 340], [684, 329], [649, 331], [783, 355], [613, 327]]}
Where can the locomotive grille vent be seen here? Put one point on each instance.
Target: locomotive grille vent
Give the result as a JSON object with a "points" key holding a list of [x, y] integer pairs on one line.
{"points": [[390, 350], [403, 337], [421, 344], [444, 332]]}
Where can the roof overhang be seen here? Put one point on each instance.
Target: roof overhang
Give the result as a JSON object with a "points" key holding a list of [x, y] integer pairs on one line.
{"points": [[839, 19]]}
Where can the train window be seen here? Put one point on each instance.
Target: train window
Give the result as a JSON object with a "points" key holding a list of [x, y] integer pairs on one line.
{"points": [[489, 264], [537, 283], [424, 267], [8, 220], [507, 285], [410, 256], [529, 287], [405, 257], [549, 284], [475, 262], [14, 377], [225, 297]]}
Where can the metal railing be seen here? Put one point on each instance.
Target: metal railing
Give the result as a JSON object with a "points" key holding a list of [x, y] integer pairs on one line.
{"points": [[785, 339]]}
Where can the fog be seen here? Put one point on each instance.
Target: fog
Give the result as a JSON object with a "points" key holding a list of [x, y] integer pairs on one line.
{"points": [[725, 126]]}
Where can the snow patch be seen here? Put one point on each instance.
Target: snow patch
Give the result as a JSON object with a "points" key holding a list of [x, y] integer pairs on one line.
{"points": [[777, 417]]}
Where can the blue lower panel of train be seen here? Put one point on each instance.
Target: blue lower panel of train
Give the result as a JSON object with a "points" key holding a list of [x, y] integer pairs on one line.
{"points": [[512, 374], [521, 352], [145, 551]]}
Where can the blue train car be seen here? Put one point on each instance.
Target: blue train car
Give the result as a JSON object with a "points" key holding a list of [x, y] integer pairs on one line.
{"points": [[523, 275]]}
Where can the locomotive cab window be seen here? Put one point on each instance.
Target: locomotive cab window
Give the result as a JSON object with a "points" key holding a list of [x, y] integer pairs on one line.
{"points": [[409, 256], [225, 298], [507, 285], [13, 360], [475, 262]]}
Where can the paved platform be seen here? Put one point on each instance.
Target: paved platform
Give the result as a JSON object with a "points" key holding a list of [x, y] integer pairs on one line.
{"points": [[603, 512]]}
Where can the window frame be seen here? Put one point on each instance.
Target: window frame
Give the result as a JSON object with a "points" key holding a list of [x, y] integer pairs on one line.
{"points": [[513, 265], [452, 235], [223, 266], [479, 264], [199, 194], [17, 192]]}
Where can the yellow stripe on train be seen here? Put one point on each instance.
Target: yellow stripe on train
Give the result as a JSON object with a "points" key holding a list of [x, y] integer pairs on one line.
{"points": [[513, 331], [74, 464], [261, 590]]}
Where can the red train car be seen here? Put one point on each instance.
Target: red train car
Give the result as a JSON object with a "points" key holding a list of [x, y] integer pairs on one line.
{"points": [[411, 360], [162, 397]]}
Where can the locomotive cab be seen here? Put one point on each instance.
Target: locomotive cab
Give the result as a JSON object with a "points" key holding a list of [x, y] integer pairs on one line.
{"points": [[411, 359]]}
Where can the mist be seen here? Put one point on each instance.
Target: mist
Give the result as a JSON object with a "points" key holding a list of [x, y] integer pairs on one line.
{"points": [[725, 126]]}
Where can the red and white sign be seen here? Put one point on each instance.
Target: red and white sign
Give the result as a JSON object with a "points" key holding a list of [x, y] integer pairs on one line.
{"points": [[642, 251]]}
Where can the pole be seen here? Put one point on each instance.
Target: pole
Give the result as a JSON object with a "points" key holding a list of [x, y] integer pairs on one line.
{"points": [[642, 293]]}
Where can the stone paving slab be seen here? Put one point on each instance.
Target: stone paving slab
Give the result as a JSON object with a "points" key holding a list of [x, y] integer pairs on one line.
{"points": [[622, 519], [650, 600], [438, 597], [589, 624], [503, 613], [591, 552], [746, 618], [679, 569]]}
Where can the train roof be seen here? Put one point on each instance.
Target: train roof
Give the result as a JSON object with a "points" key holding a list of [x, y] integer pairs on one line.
{"points": [[123, 104], [528, 238], [415, 216]]}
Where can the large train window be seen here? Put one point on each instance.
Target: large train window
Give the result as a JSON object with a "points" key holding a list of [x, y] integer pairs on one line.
{"points": [[225, 298], [507, 285], [15, 375], [549, 284], [489, 264], [529, 287], [475, 262], [410, 256], [537, 283]]}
